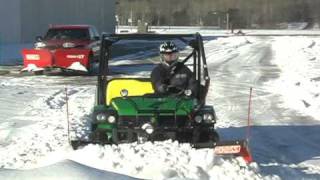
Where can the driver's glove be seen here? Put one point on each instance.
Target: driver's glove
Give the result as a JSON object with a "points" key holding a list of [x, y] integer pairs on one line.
{"points": [[166, 81], [163, 88], [172, 89]]}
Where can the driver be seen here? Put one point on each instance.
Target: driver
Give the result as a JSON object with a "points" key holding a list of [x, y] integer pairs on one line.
{"points": [[172, 76]]}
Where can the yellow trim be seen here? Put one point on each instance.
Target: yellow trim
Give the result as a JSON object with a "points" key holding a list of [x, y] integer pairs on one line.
{"points": [[135, 88]]}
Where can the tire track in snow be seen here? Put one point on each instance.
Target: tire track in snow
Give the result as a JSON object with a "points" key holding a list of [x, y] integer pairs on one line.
{"points": [[276, 141], [232, 79]]}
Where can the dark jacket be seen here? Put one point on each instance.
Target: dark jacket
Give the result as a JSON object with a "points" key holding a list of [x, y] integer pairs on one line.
{"points": [[171, 80]]}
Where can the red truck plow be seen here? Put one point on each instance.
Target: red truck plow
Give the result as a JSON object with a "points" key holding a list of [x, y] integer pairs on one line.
{"points": [[67, 47], [40, 59]]}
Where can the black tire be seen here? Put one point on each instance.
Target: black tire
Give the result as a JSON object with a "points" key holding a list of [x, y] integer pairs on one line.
{"points": [[115, 138], [90, 66], [93, 127], [203, 135], [99, 137], [38, 72]]}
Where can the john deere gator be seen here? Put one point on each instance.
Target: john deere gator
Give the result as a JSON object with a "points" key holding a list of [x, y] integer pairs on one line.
{"points": [[128, 109]]}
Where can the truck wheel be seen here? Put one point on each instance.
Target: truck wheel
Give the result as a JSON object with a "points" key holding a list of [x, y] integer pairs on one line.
{"points": [[38, 72], [99, 136], [205, 135], [115, 138], [90, 65]]}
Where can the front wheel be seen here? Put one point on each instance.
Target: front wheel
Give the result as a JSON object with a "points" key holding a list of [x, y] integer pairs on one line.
{"points": [[38, 72], [203, 135]]}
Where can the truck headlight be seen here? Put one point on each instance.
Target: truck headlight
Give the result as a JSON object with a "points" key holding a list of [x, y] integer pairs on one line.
{"points": [[148, 128], [187, 92], [68, 45], [39, 45], [198, 118], [111, 119], [208, 117], [101, 117]]}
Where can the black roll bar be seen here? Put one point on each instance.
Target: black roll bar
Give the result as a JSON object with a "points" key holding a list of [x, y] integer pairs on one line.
{"points": [[196, 42]]}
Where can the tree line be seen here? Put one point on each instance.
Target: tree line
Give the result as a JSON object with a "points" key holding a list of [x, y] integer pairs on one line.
{"points": [[239, 13]]}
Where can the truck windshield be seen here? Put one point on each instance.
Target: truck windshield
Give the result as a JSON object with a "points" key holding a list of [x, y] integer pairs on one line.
{"points": [[68, 34], [139, 57]]}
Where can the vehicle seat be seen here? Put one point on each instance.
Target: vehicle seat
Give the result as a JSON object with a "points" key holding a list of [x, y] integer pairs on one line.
{"points": [[135, 87]]}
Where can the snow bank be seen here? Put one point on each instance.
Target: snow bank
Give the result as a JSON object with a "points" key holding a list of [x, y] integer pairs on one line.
{"points": [[66, 169], [165, 160], [45, 141]]}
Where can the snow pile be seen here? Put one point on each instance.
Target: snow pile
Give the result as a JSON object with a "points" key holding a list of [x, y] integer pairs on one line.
{"points": [[78, 67], [32, 67], [66, 169], [165, 160], [299, 83], [44, 141], [46, 136]]}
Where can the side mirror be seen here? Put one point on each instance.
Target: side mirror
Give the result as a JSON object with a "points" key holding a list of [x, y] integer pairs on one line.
{"points": [[96, 38], [39, 38]]}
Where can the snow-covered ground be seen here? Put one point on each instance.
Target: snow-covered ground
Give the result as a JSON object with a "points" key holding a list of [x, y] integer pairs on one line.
{"points": [[298, 58], [283, 72], [220, 32]]}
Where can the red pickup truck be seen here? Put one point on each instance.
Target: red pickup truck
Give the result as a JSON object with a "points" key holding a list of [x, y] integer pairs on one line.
{"points": [[68, 47]]}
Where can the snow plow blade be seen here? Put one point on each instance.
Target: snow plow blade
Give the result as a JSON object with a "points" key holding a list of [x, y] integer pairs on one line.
{"points": [[75, 59], [39, 59], [233, 148], [34, 60]]}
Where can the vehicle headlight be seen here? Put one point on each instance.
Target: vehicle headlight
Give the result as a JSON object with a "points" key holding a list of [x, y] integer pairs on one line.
{"points": [[68, 45], [111, 119], [124, 93], [208, 117], [39, 45], [198, 118], [101, 117], [148, 128], [187, 92]]}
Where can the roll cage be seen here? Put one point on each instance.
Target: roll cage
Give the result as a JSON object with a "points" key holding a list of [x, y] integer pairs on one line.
{"points": [[199, 63]]}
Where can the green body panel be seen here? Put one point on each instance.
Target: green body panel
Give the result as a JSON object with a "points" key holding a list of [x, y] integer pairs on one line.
{"points": [[133, 106], [100, 108], [105, 126]]}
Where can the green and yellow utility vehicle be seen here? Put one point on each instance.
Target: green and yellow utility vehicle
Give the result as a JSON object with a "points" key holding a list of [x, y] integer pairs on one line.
{"points": [[127, 108]]}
